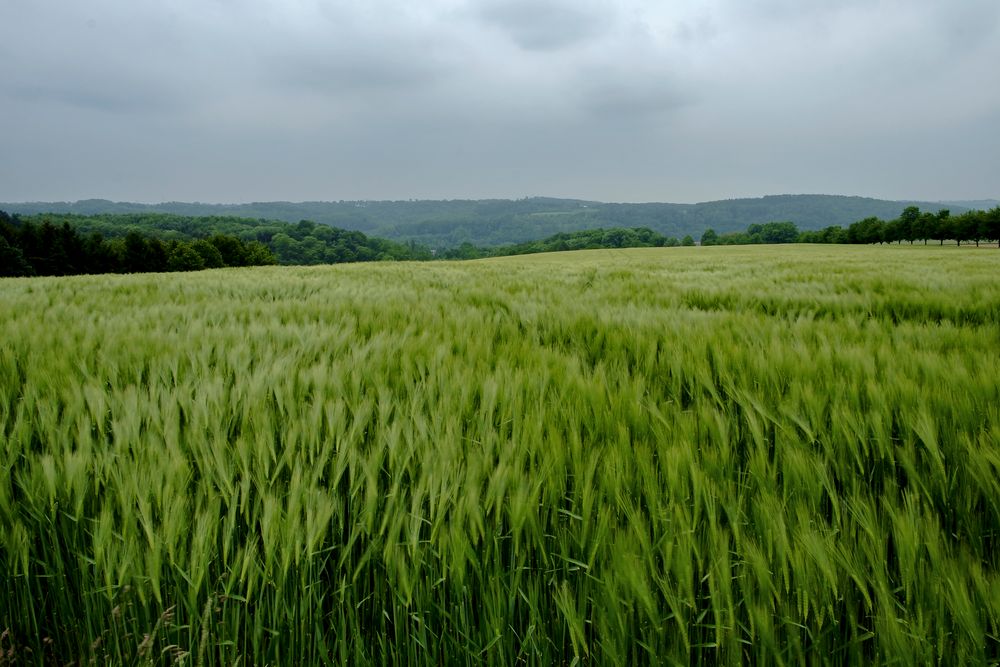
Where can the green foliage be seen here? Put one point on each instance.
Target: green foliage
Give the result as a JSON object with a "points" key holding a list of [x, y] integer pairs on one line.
{"points": [[448, 224], [210, 255], [583, 240], [232, 251], [12, 262], [767, 455], [257, 254], [29, 248], [302, 243], [830, 234], [183, 257], [912, 225]]}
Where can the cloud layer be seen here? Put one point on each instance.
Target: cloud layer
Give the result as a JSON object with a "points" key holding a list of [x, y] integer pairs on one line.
{"points": [[630, 100]]}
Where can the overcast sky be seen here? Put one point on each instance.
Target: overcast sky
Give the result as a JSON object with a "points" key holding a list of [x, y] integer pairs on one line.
{"points": [[616, 100]]}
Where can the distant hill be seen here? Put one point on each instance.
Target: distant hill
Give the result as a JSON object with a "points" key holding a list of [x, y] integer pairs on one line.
{"points": [[489, 222], [977, 204]]}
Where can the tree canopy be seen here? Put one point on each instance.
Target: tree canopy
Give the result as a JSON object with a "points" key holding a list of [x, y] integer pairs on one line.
{"points": [[493, 222], [305, 242], [587, 239], [29, 248]]}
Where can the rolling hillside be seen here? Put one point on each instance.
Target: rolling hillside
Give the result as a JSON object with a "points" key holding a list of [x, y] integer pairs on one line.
{"points": [[449, 223]]}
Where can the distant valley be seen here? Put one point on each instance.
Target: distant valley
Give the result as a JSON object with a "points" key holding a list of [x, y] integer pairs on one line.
{"points": [[490, 222]]}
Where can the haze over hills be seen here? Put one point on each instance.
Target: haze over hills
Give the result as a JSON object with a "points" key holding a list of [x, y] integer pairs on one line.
{"points": [[448, 223], [980, 204]]}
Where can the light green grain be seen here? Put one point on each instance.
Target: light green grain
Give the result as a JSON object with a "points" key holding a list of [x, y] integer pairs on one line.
{"points": [[675, 456]]}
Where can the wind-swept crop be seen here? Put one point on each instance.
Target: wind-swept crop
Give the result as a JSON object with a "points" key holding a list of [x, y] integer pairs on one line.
{"points": [[720, 455]]}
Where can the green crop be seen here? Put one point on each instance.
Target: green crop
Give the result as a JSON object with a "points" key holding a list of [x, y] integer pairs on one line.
{"points": [[672, 456]]}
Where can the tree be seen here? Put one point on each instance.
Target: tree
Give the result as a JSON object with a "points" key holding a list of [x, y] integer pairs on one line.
{"points": [[184, 258], [869, 230], [833, 234], [286, 248], [210, 255], [100, 256], [156, 255], [709, 237], [12, 262], [615, 238], [908, 227], [978, 227], [72, 250], [968, 227], [304, 228], [892, 230], [50, 256], [991, 225], [779, 232], [941, 226], [736, 238], [232, 250], [134, 259], [313, 250], [926, 225], [687, 241], [259, 254]]}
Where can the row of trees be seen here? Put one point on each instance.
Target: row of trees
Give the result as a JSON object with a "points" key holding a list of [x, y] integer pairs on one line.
{"points": [[70, 244], [28, 249], [308, 242], [47, 249], [618, 237], [305, 242], [912, 226], [770, 232]]}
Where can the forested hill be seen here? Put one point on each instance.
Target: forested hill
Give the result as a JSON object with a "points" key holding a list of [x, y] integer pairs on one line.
{"points": [[302, 243], [489, 222]]}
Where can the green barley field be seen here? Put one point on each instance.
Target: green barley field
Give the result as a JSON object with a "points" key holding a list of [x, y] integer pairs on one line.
{"points": [[747, 455]]}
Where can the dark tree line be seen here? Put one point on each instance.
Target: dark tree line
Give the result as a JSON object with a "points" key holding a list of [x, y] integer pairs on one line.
{"points": [[47, 249], [769, 232], [71, 244], [308, 242], [304, 242], [911, 226], [483, 223], [619, 237]]}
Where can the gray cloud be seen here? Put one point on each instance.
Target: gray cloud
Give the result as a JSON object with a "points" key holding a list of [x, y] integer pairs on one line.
{"points": [[967, 26], [95, 93], [349, 72], [544, 25], [633, 100], [625, 95]]}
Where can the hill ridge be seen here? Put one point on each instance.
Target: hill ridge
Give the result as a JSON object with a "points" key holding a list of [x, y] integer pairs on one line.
{"points": [[487, 222]]}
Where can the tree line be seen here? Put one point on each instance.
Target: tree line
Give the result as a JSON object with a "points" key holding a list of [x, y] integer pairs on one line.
{"points": [[47, 249], [67, 244], [63, 244], [588, 239], [911, 226], [446, 224], [305, 242]]}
